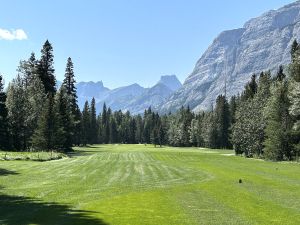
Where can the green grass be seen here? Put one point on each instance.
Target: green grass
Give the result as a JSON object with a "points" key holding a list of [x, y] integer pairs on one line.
{"points": [[137, 184]]}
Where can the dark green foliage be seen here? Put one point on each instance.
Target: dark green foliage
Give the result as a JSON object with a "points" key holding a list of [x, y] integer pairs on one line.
{"points": [[280, 74], [250, 89], [294, 97], [248, 130], [4, 135], [45, 69], [16, 104], [64, 125], [44, 135], [278, 145], [222, 115], [69, 85], [86, 124], [93, 128]]}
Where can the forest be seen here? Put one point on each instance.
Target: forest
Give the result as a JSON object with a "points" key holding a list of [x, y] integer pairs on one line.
{"points": [[262, 122]]}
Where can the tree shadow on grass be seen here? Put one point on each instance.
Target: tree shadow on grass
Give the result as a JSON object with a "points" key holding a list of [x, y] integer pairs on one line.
{"points": [[5, 172], [17, 210], [20, 210]]}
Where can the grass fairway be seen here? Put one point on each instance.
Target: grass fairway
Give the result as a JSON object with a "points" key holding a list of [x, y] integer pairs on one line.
{"points": [[137, 184]]}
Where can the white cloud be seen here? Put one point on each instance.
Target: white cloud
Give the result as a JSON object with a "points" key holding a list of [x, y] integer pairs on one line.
{"points": [[10, 35]]}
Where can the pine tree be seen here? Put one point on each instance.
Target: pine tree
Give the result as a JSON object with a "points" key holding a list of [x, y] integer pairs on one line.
{"points": [[46, 70], [105, 125], [148, 124], [250, 89], [194, 132], [155, 136], [93, 128], [294, 49], [27, 70], [280, 74], [248, 132], [278, 141], [63, 129], [139, 129], [86, 123], [4, 135], [294, 95], [36, 98], [16, 105], [113, 136], [77, 127], [69, 84], [43, 137], [222, 122]]}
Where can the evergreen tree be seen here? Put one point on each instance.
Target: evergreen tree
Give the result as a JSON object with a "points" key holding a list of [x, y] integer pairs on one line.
{"points": [[46, 70], [250, 89], [63, 121], [69, 84], [4, 135], [113, 136], [155, 140], [43, 137], [278, 141], [77, 127], [105, 125], [28, 70], [139, 129], [36, 98], [148, 125], [280, 74], [222, 115], [16, 104], [294, 50], [248, 132], [294, 95], [86, 123], [93, 128]]}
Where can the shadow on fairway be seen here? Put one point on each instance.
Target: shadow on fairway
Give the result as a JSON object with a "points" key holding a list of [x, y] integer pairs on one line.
{"points": [[19, 210], [5, 172], [80, 153]]}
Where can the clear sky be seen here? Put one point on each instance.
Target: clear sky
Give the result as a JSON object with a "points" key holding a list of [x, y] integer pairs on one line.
{"points": [[120, 42]]}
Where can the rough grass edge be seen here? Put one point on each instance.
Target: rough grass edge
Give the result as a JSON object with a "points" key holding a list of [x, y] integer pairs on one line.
{"points": [[32, 156]]}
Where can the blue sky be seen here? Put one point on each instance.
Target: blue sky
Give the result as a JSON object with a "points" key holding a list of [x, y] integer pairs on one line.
{"points": [[121, 42]]}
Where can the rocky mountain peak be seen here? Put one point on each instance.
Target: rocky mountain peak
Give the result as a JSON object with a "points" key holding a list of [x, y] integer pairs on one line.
{"points": [[262, 44]]}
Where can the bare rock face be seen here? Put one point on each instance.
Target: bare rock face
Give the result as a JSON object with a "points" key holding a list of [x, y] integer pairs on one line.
{"points": [[262, 44]]}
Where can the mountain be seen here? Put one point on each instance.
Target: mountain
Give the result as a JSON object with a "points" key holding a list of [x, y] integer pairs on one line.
{"points": [[153, 97], [170, 81], [88, 90], [120, 98], [132, 97], [262, 44]]}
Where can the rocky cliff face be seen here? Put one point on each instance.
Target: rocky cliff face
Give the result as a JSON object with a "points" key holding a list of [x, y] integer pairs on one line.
{"points": [[262, 44]]}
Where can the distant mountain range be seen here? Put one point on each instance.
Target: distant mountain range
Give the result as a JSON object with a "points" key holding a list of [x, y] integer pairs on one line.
{"points": [[133, 97]]}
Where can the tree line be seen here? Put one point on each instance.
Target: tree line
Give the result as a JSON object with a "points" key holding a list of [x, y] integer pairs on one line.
{"points": [[262, 121]]}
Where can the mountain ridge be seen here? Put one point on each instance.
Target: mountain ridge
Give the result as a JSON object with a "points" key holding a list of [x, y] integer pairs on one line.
{"points": [[133, 97], [263, 43]]}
